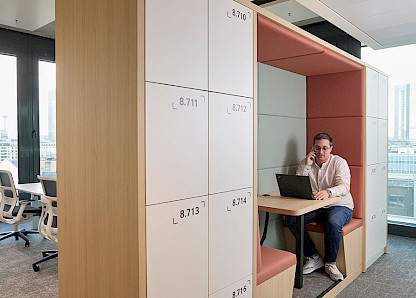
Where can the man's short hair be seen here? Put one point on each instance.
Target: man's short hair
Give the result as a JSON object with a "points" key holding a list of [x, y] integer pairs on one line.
{"points": [[322, 136]]}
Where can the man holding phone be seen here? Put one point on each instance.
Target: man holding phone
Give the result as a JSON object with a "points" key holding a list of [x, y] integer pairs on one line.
{"points": [[330, 177]]}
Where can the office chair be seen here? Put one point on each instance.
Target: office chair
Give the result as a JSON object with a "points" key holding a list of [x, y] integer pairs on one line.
{"points": [[14, 208], [48, 223]]}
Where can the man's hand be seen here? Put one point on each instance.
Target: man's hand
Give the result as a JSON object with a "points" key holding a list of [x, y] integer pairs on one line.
{"points": [[321, 195], [310, 158]]}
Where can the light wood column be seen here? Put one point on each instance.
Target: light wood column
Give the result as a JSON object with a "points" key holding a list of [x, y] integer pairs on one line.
{"points": [[100, 148]]}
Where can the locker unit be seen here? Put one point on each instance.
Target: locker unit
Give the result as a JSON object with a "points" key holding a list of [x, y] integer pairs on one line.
{"points": [[230, 142], [230, 226], [376, 175], [177, 248], [176, 43], [199, 132], [230, 48], [176, 143]]}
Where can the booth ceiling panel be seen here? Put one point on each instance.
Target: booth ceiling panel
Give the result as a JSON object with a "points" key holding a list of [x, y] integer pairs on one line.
{"points": [[276, 42], [316, 64]]}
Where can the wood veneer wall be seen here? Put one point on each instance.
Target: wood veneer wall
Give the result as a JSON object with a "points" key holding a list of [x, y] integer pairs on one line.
{"points": [[100, 147]]}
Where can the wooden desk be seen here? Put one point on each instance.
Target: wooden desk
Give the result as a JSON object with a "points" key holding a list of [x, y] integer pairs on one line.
{"points": [[32, 188], [294, 207]]}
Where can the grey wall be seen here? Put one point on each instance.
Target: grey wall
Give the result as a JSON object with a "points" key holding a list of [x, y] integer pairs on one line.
{"points": [[281, 135]]}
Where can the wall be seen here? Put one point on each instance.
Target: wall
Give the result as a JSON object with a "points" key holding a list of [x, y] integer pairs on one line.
{"points": [[281, 135]]}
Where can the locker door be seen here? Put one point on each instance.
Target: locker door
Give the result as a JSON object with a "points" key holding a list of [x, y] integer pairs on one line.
{"points": [[382, 96], [230, 237], [372, 140], [382, 185], [371, 235], [382, 227], [177, 249], [372, 93], [230, 142], [372, 188], [239, 289], [382, 141], [177, 42], [176, 143], [230, 48]]}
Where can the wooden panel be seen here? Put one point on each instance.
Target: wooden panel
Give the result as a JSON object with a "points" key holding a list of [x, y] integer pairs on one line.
{"points": [[241, 289], [230, 48], [230, 238], [230, 142], [177, 249], [177, 42], [353, 250], [99, 106], [280, 286], [176, 143]]}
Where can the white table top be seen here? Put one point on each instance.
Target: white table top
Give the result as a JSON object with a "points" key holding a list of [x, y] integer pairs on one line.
{"points": [[33, 188]]}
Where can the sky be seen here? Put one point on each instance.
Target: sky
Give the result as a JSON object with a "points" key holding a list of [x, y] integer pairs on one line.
{"points": [[398, 63], [8, 93]]}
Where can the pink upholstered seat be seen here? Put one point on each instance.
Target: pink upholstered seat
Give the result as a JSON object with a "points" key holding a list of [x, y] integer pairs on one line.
{"points": [[271, 262], [319, 227]]}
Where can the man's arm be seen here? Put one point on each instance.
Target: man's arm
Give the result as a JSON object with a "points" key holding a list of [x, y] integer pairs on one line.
{"points": [[303, 170], [342, 179]]}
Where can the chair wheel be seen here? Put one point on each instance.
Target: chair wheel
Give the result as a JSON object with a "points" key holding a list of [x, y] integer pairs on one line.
{"points": [[35, 268], [27, 243]]}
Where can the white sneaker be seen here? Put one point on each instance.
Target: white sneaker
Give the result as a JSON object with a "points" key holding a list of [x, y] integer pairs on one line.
{"points": [[333, 272], [312, 263]]}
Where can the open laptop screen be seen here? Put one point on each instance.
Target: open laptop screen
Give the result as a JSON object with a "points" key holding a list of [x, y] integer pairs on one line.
{"points": [[295, 186]]}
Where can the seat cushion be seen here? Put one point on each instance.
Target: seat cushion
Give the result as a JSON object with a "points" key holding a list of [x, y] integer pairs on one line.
{"points": [[319, 227], [274, 261]]}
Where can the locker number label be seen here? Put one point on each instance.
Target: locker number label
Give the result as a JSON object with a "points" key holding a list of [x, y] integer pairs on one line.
{"points": [[234, 13], [187, 213], [239, 201], [239, 291], [239, 108], [187, 102]]}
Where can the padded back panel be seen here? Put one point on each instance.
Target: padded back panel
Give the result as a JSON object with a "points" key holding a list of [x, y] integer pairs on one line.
{"points": [[347, 135], [50, 187], [277, 42], [337, 95], [357, 187]]}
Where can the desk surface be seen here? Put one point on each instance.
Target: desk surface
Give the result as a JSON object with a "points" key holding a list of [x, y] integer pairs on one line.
{"points": [[291, 206], [33, 188]]}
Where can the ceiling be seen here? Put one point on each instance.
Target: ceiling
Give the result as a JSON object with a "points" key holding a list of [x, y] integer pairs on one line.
{"points": [[376, 23], [29, 16]]}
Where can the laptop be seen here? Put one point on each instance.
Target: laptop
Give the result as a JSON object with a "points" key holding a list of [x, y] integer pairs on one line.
{"points": [[295, 186]]}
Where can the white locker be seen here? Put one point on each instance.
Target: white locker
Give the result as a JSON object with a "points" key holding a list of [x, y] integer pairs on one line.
{"points": [[230, 238], [382, 185], [371, 236], [230, 48], [382, 96], [382, 228], [239, 289], [372, 93], [176, 143], [382, 138], [177, 249], [230, 142], [372, 188], [372, 140], [177, 42]]}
